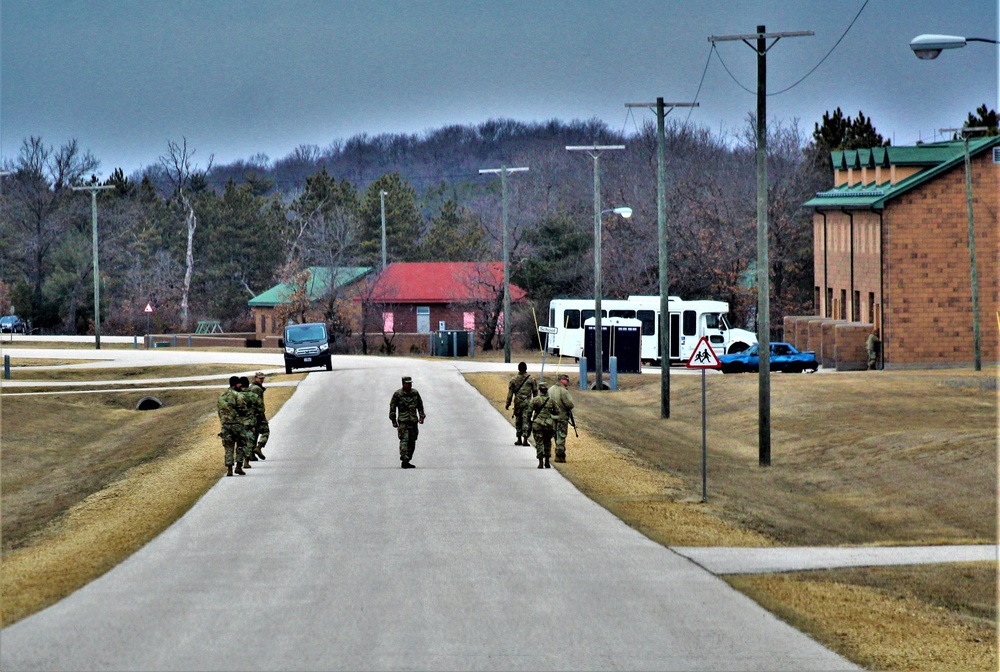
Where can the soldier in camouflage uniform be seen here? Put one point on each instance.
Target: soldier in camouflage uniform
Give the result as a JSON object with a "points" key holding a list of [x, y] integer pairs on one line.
{"points": [[247, 420], [260, 431], [406, 410], [542, 425], [520, 390], [232, 425], [563, 404]]}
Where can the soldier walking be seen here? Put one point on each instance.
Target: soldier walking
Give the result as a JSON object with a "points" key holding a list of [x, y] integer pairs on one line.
{"points": [[232, 426], [406, 411], [521, 389], [261, 431], [562, 412], [247, 420], [542, 425]]}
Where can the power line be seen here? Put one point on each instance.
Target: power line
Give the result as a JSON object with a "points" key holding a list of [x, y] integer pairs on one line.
{"points": [[801, 79]]}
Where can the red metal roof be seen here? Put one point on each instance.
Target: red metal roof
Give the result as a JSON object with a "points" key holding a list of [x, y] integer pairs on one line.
{"points": [[441, 282]]}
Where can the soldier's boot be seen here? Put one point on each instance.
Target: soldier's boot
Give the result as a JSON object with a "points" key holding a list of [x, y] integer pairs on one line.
{"points": [[246, 462], [259, 453], [229, 470], [547, 465], [239, 469], [560, 457], [540, 463], [518, 442]]}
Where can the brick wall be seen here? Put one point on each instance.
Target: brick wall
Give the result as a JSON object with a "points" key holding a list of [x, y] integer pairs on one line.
{"points": [[849, 346], [929, 299]]}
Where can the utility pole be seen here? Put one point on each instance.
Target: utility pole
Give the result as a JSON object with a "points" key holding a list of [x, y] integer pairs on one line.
{"points": [[503, 170], [93, 189], [976, 341], [382, 194], [595, 153], [661, 226], [763, 264]]}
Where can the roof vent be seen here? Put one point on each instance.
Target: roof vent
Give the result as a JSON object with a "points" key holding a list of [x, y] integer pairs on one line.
{"points": [[996, 155]]}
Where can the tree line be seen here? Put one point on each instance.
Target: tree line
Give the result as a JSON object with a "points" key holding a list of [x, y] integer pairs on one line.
{"points": [[198, 240]]}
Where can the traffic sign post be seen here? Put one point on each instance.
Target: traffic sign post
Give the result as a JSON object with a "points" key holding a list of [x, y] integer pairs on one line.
{"points": [[704, 358], [548, 331], [149, 311]]}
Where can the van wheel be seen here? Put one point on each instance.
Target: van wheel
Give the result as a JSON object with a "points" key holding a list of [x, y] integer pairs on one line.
{"points": [[288, 369]]}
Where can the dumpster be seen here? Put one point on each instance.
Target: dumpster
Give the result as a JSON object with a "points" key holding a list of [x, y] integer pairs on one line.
{"points": [[451, 343]]}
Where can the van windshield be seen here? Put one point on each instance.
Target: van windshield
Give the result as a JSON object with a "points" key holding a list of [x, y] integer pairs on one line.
{"points": [[304, 333]]}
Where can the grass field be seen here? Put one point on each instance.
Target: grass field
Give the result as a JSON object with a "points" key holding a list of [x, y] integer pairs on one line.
{"points": [[858, 458]]}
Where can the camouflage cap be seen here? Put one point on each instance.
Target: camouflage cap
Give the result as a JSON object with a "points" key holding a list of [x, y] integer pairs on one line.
{"points": [[563, 376], [259, 374], [543, 386], [407, 379]]}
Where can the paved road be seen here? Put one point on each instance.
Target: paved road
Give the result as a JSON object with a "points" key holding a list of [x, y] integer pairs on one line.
{"points": [[329, 556]]}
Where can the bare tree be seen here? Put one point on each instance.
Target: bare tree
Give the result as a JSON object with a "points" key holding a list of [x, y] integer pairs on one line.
{"points": [[185, 179]]}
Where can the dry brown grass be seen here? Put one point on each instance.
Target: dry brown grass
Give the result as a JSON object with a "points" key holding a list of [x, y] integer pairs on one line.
{"points": [[887, 458], [75, 506], [113, 373]]}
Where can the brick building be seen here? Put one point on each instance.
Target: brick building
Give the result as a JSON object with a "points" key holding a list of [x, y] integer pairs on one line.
{"points": [[424, 297], [891, 249], [321, 281]]}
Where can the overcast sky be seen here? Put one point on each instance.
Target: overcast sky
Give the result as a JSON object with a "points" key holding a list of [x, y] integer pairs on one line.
{"points": [[238, 77]]}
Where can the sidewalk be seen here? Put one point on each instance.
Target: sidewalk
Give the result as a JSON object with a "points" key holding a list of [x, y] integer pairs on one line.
{"points": [[721, 560]]}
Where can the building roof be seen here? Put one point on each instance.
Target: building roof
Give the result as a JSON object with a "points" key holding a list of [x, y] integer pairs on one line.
{"points": [[319, 281], [935, 159], [441, 282]]}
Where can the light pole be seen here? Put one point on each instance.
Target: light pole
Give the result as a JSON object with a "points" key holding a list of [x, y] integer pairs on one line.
{"points": [[595, 152], [503, 170], [929, 47], [661, 227], [381, 194], [763, 265], [93, 189], [974, 274]]}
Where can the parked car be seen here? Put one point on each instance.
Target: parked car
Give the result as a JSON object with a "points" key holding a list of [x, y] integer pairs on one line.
{"points": [[306, 346], [12, 324], [784, 357]]}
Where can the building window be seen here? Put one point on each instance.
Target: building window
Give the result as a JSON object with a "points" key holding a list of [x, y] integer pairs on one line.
{"points": [[871, 307], [263, 324], [829, 303], [856, 307], [816, 299], [843, 304]]}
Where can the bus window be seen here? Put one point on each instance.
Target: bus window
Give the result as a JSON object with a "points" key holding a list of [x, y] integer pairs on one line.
{"points": [[621, 313], [648, 318], [723, 323], [690, 323], [572, 319], [711, 320]]}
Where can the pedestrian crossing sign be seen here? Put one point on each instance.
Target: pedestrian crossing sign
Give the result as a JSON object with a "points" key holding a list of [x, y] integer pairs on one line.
{"points": [[703, 356]]}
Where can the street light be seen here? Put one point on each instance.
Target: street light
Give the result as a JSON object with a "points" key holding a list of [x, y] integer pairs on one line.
{"points": [[503, 170], [381, 194], [929, 47], [595, 153], [93, 189]]}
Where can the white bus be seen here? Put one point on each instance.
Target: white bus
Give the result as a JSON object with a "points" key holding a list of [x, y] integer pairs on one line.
{"points": [[689, 321]]}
